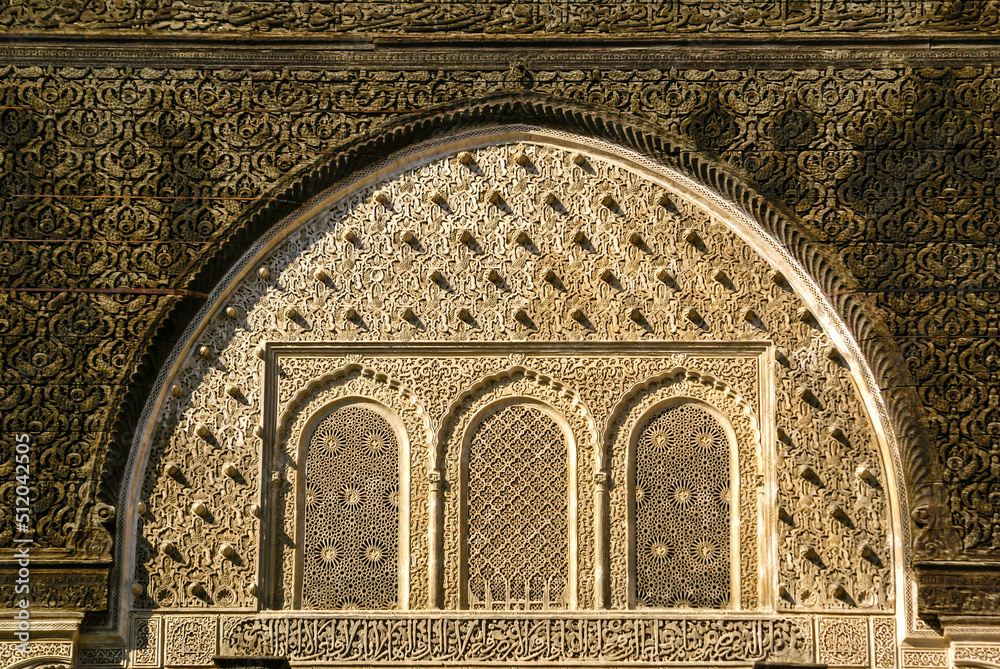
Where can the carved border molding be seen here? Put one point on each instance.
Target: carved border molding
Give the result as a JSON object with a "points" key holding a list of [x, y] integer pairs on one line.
{"points": [[47, 654], [485, 57], [952, 590], [498, 640]]}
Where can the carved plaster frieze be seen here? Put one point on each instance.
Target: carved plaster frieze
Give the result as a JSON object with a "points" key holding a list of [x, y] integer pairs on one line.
{"points": [[573, 641], [978, 655], [462, 20], [145, 641], [914, 658]]}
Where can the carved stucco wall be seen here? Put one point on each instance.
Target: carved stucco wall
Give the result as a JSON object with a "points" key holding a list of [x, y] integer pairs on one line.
{"points": [[489, 253], [887, 166], [531, 17]]}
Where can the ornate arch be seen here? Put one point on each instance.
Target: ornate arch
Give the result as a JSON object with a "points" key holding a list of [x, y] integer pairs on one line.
{"points": [[678, 384], [520, 384], [870, 345], [488, 383], [221, 330], [544, 420], [311, 403]]}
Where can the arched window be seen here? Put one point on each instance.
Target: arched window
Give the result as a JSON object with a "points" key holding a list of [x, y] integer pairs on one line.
{"points": [[683, 525], [516, 529], [350, 528]]}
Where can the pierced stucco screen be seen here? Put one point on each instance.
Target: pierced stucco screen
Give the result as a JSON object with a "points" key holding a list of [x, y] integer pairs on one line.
{"points": [[682, 510], [352, 512], [516, 509]]}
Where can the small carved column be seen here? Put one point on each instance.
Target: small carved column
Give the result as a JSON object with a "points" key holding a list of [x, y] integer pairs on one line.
{"points": [[275, 595], [602, 522], [435, 561]]}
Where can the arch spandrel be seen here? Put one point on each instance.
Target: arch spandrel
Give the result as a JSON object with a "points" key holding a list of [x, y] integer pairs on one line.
{"points": [[444, 265]]}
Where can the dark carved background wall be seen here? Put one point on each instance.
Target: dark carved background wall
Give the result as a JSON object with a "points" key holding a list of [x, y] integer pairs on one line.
{"points": [[534, 17], [127, 160]]}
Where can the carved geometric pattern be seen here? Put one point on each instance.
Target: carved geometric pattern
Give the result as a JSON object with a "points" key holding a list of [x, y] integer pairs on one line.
{"points": [[955, 377], [982, 652], [926, 659], [189, 641], [516, 506], [310, 382], [145, 642], [682, 517], [324, 384], [351, 512], [101, 657], [13, 653], [685, 384], [843, 641], [518, 384]]}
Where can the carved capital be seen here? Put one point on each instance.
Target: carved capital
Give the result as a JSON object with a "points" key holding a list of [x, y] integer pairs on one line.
{"points": [[959, 590], [66, 584], [935, 537]]}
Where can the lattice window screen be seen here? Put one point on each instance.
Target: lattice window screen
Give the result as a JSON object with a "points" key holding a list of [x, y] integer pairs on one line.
{"points": [[682, 510], [517, 499], [351, 513]]}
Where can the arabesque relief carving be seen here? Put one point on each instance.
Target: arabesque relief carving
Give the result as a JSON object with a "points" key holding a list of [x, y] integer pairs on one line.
{"points": [[386, 375], [525, 17]]}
